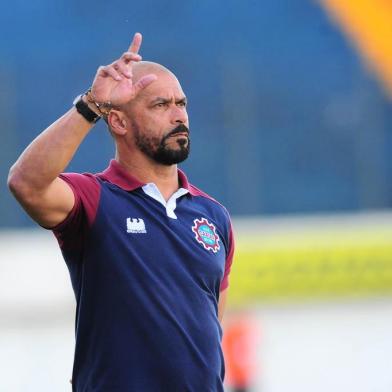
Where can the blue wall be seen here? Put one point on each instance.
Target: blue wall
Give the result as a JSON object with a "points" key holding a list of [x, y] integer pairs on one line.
{"points": [[284, 116]]}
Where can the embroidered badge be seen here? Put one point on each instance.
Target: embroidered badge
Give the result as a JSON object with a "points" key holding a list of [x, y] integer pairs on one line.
{"points": [[205, 234], [136, 225]]}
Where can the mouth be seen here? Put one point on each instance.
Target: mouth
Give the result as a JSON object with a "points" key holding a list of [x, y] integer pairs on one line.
{"points": [[180, 139], [181, 131], [180, 134]]}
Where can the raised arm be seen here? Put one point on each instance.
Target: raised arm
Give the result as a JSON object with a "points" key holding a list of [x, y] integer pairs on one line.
{"points": [[33, 179]]}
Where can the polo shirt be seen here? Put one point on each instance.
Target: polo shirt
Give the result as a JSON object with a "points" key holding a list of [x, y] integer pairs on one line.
{"points": [[146, 274]]}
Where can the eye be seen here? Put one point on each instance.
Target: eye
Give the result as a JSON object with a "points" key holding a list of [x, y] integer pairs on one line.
{"points": [[182, 104]]}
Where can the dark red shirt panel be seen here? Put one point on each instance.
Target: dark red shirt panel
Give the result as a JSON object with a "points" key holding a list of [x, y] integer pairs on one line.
{"points": [[229, 261], [86, 188]]}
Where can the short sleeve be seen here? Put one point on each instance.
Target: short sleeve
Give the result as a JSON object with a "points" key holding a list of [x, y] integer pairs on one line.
{"points": [[72, 231], [229, 260]]}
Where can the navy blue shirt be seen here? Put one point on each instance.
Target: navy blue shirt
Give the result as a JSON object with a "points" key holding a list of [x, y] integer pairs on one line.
{"points": [[147, 280]]}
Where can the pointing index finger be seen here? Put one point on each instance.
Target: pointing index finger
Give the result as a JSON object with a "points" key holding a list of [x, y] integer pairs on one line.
{"points": [[135, 44]]}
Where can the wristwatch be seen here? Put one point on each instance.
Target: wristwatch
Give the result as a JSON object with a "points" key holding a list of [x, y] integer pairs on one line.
{"points": [[84, 110]]}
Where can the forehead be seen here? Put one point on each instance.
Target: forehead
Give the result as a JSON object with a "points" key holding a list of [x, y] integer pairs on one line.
{"points": [[166, 86]]}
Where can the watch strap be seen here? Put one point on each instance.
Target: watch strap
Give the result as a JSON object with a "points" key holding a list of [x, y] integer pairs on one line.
{"points": [[83, 109]]}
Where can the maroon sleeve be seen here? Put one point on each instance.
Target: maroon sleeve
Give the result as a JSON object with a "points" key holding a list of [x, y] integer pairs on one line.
{"points": [[229, 261], [71, 232]]}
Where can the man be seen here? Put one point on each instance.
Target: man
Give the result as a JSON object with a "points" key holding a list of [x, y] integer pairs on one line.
{"points": [[148, 253]]}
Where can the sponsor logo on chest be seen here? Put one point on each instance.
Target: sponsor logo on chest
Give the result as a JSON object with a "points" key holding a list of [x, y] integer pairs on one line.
{"points": [[136, 226], [206, 235]]}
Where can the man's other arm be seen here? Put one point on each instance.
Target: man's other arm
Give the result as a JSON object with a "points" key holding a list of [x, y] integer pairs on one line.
{"points": [[222, 304]]}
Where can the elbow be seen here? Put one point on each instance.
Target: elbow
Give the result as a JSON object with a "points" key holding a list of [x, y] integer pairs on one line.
{"points": [[16, 184], [12, 180]]}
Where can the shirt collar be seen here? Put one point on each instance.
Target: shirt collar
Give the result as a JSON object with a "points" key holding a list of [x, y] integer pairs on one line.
{"points": [[116, 174]]}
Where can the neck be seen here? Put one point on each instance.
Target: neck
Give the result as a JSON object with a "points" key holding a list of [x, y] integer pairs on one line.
{"points": [[145, 170]]}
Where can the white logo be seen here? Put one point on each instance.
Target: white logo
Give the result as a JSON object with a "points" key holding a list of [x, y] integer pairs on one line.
{"points": [[136, 225]]}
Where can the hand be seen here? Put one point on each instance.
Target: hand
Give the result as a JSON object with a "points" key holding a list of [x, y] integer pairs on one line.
{"points": [[113, 83]]}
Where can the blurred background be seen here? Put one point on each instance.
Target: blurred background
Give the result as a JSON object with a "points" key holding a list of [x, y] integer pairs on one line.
{"points": [[290, 108]]}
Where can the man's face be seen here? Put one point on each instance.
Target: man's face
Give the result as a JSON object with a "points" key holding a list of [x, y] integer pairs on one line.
{"points": [[160, 121]]}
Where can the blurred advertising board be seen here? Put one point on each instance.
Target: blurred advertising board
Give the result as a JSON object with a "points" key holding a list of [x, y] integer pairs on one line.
{"points": [[311, 257]]}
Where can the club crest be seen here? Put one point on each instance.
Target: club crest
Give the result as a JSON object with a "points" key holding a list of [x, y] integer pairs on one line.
{"points": [[205, 234]]}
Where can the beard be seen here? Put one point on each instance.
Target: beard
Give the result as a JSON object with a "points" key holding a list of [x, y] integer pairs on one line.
{"points": [[158, 150]]}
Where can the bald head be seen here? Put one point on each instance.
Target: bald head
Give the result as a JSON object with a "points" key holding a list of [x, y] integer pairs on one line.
{"points": [[163, 85], [143, 68]]}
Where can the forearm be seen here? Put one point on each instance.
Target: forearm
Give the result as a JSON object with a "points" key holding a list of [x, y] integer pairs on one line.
{"points": [[50, 153]]}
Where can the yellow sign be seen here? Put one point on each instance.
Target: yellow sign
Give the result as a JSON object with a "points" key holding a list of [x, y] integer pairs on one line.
{"points": [[311, 262]]}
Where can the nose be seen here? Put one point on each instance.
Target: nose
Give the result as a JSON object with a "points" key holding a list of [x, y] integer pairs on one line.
{"points": [[179, 115]]}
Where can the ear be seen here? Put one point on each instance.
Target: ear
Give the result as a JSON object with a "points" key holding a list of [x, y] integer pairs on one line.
{"points": [[118, 122]]}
